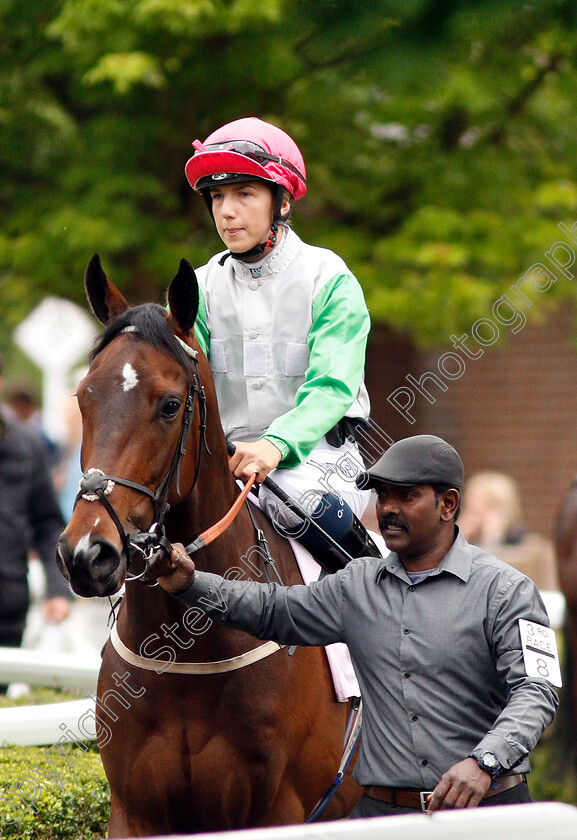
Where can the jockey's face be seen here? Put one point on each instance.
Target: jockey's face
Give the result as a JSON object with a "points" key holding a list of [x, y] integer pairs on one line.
{"points": [[243, 214]]}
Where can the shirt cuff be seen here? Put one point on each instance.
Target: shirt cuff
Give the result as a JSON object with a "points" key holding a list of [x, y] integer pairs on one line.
{"points": [[281, 445], [509, 753], [204, 584]]}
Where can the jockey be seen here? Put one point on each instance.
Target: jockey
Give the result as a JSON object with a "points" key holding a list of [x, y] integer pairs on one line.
{"points": [[284, 325]]}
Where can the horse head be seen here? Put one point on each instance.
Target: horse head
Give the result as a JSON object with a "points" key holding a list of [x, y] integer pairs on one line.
{"points": [[142, 403]]}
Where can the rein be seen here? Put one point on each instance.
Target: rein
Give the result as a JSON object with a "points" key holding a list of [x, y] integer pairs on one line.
{"points": [[220, 527]]}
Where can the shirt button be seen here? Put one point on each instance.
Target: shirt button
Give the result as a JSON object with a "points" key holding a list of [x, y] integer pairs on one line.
{"points": [[406, 676], [411, 588], [253, 285], [256, 386], [406, 632], [424, 762], [414, 717], [252, 334]]}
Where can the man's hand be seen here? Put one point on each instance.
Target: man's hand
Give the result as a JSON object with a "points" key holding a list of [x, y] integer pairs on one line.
{"points": [[56, 609], [175, 574], [463, 786], [260, 457]]}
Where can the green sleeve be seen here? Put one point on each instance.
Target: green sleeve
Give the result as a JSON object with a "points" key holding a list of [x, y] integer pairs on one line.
{"points": [[337, 346], [201, 327]]}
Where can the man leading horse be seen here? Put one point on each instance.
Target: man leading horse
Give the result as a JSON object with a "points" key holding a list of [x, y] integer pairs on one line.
{"points": [[453, 705]]}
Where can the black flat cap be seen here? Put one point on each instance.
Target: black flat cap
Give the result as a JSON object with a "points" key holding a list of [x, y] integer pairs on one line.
{"points": [[421, 459]]}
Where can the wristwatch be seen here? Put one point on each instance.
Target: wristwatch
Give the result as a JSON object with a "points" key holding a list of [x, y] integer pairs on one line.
{"points": [[488, 762]]}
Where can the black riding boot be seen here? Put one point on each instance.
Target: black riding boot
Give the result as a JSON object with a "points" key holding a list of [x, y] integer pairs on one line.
{"points": [[357, 543], [336, 518]]}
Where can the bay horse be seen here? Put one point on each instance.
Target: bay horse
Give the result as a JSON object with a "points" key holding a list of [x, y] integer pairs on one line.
{"points": [[566, 550], [226, 747]]}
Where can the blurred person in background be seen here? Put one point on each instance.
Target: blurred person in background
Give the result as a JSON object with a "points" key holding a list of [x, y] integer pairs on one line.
{"points": [[30, 520], [22, 405], [69, 470], [492, 518]]}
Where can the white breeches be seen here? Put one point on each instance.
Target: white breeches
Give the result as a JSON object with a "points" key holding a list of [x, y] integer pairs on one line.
{"points": [[326, 470]]}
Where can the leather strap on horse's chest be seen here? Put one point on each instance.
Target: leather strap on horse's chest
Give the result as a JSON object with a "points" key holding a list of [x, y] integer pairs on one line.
{"points": [[220, 666]]}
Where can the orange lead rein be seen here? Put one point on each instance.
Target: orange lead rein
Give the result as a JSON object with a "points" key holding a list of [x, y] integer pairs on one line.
{"points": [[220, 527]]}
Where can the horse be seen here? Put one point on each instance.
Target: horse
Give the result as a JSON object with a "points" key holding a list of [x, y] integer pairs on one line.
{"points": [[565, 536], [248, 734]]}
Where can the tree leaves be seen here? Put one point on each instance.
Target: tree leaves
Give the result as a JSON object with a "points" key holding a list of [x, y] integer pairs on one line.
{"points": [[440, 141]]}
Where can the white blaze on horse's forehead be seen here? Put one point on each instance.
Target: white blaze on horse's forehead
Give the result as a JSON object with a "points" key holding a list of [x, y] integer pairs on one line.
{"points": [[130, 377]]}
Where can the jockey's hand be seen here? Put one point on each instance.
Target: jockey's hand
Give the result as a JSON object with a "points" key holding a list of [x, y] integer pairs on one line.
{"points": [[260, 457], [462, 786], [175, 574]]}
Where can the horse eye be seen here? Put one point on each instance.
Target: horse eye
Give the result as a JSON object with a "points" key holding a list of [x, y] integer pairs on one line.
{"points": [[170, 408]]}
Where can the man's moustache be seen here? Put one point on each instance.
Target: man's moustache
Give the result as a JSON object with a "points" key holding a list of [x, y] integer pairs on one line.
{"points": [[392, 522]]}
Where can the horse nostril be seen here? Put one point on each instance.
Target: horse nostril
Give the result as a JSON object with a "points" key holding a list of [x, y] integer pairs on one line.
{"points": [[92, 566], [100, 557]]}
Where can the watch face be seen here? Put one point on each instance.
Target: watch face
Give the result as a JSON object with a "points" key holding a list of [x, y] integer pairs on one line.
{"points": [[489, 759]]}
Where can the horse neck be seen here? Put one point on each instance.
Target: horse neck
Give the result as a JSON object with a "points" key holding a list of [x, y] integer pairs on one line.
{"points": [[212, 498], [214, 493]]}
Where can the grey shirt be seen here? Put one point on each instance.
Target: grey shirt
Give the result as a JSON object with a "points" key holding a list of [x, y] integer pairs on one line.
{"points": [[439, 662]]}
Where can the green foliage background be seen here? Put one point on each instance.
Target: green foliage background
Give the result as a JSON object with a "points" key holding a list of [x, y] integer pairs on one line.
{"points": [[52, 793], [440, 141]]}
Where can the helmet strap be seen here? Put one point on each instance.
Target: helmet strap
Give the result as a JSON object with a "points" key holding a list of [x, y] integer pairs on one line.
{"points": [[257, 251], [277, 218]]}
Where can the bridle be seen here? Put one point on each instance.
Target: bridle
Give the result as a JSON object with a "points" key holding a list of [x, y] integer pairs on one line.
{"points": [[95, 485]]}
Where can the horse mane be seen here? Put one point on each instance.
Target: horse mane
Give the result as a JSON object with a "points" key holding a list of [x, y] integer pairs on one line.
{"points": [[151, 325]]}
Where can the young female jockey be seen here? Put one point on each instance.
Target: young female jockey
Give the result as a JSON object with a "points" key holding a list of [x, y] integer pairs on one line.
{"points": [[284, 325]]}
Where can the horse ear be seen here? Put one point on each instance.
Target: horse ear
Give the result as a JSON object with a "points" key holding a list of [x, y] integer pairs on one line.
{"points": [[104, 298], [183, 297]]}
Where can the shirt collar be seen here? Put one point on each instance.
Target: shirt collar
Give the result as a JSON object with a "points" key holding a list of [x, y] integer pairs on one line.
{"points": [[457, 561]]}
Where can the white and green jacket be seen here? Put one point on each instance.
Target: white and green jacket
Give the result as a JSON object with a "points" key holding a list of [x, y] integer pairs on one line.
{"points": [[286, 339]]}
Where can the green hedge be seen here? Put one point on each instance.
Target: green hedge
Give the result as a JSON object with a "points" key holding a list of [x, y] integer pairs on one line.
{"points": [[52, 793]]}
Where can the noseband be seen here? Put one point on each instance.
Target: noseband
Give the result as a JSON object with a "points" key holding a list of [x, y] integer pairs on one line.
{"points": [[95, 485]]}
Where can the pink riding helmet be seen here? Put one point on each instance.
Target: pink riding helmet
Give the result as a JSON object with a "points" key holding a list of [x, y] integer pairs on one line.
{"points": [[247, 147]]}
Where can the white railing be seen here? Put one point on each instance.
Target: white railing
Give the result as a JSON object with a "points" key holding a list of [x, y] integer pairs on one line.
{"points": [[54, 722], [52, 670], [536, 821]]}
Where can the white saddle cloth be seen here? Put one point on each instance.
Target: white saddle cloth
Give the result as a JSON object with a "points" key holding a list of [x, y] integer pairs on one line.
{"points": [[344, 679]]}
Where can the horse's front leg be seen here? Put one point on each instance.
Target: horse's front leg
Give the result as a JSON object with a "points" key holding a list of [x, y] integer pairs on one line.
{"points": [[119, 825], [123, 824]]}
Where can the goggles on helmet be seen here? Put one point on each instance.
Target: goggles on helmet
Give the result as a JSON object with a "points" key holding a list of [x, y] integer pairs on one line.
{"points": [[249, 149]]}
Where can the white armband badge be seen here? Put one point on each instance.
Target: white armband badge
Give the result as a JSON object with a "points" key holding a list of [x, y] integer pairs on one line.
{"points": [[540, 651]]}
